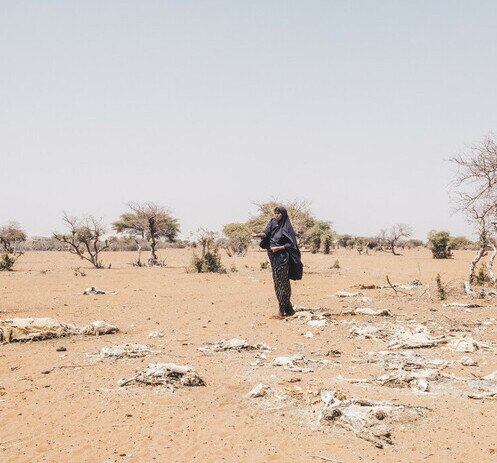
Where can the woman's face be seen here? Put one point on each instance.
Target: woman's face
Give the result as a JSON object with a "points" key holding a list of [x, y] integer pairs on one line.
{"points": [[278, 215]]}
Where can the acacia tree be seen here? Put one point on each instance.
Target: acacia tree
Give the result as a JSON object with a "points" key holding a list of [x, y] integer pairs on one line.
{"points": [[148, 221], [319, 237], [239, 238], [11, 236], [85, 238], [476, 197], [390, 237]]}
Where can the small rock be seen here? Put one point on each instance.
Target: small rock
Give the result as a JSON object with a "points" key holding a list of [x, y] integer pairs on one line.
{"points": [[45, 372], [61, 349]]}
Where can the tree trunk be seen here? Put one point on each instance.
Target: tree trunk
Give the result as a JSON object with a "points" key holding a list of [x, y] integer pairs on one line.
{"points": [[152, 258], [490, 263], [472, 268]]}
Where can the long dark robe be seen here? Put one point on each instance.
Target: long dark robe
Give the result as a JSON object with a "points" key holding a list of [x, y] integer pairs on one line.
{"points": [[282, 234]]}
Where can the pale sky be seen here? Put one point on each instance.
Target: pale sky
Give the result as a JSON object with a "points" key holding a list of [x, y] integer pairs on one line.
{"points": [[207, 106]]}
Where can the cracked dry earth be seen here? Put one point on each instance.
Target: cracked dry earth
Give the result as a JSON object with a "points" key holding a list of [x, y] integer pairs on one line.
{"points": [[59, 404]]}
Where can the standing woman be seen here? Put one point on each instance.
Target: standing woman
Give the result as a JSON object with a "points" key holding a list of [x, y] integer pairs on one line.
{"points": [[281, 243]]}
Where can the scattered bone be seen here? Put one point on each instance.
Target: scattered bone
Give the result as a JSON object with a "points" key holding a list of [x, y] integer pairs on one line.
{"points": [[368, 332], [156, 334], [308, 334], [94, 291], [462, 306], [371, 421], [97, 328], [467, 344], [416, 340], [298, 363], [484, 388], [369, 311], [400, 337], [347, 294], [170, 375], [35, 329], [232, 344], [123, 351], [260, 390], [468, 361], [260, 360], [318, 323], [406, 361]]}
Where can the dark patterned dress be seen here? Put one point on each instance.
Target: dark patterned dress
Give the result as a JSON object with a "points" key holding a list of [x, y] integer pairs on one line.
{"points": [[280, 264]]}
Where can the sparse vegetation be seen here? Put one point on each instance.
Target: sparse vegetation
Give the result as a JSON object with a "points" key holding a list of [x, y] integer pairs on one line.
{"points": [[238, 238], [85, 238], [336, 265], [151, 222], [11, 236], [439, 243], [389, 238], [441, 291], [319, 237], [209, 261], [475, 196]]}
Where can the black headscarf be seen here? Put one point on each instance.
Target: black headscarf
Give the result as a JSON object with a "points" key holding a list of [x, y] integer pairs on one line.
{"points": [[274, 232]]}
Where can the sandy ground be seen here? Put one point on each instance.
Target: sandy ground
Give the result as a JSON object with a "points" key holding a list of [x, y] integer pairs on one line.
{"points": [[77, 412]]}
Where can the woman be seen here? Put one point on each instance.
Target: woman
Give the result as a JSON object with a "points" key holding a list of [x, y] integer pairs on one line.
{"points": [[281, 243]]}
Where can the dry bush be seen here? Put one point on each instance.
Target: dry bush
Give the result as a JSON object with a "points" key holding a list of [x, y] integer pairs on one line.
{"points": [[85, 238]]}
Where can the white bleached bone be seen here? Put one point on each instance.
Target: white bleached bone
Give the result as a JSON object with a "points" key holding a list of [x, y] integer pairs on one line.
{"points": [[91, 291], [35, 329], [170, 375], [260, 390], [122, 351], [371, 421], [232, 344]]}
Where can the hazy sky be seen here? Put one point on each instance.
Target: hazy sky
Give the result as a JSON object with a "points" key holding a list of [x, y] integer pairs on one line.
{"points": [[207, 106]]}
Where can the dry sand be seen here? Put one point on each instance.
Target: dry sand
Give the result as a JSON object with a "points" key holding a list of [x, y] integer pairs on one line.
{"points": [[65, 406]]}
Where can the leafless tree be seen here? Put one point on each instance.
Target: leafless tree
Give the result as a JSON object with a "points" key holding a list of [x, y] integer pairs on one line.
{"points": [[148, 221], [389, 238], [11, 236], [476, 197], [85, 238]]}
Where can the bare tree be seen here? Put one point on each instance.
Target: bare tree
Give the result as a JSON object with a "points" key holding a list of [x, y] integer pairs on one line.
{"points": [[389, 238], [85, 238], [148, 221], [476, 197], [11, 236]]}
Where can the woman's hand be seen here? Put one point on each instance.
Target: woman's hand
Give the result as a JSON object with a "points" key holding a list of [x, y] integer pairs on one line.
{"points": [[258, 235], [277, 249]]}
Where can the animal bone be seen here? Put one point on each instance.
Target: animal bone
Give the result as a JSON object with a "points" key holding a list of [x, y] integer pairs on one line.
{"points": [[232, 344], [93, 291], [165, 374], [35, 329]]}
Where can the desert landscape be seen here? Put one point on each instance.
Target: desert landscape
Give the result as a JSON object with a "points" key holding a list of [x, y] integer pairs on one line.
{"points": [[362, 372]]}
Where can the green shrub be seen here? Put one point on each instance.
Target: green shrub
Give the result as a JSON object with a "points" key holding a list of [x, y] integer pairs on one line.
{"points": [[441, 291], [319, 234], [6, 263], [460, 242], [239, 238], [438, 242]]}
